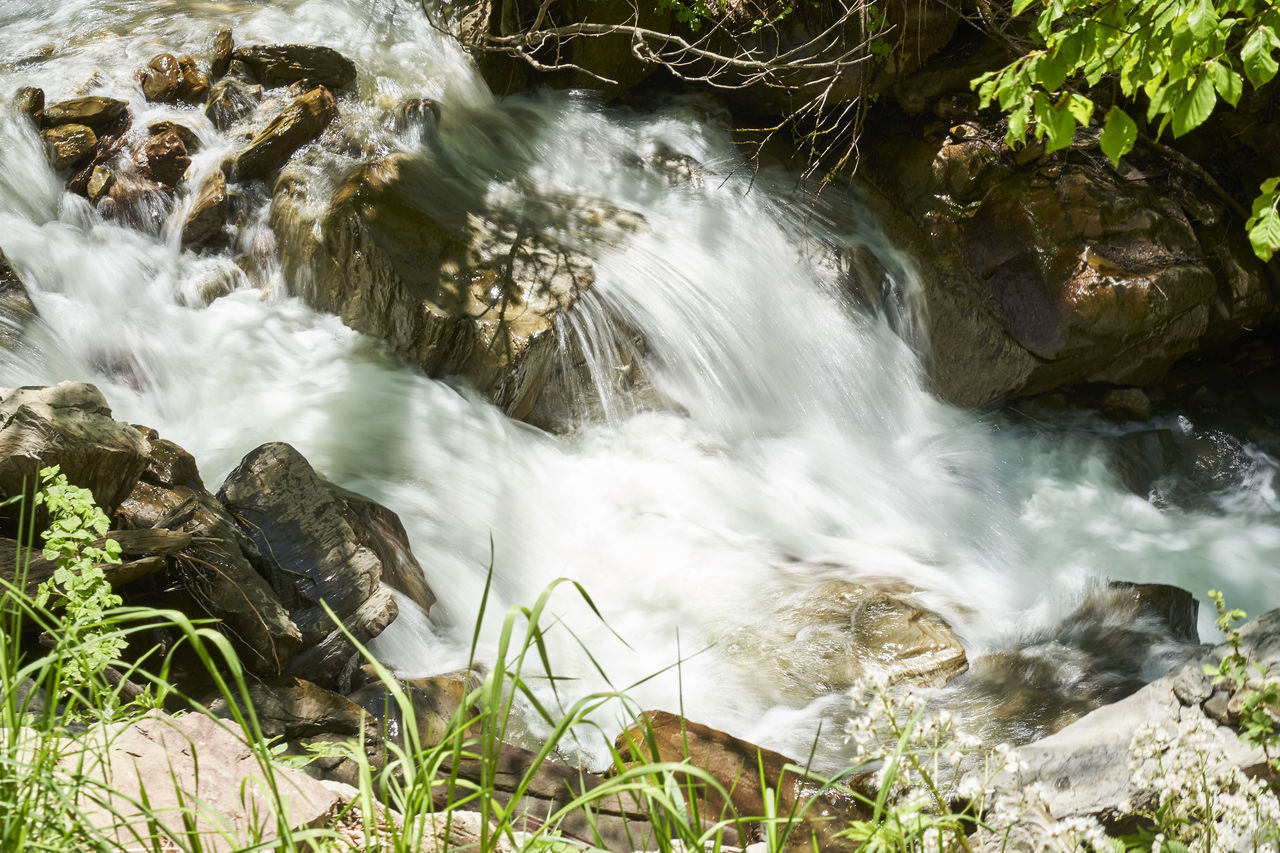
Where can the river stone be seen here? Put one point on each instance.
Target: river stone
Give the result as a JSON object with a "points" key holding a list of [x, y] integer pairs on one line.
{"points": [[208, 211], [317, 548], [230, 100], [202, 782], [163, 158], [738, 765], [68, 425], [223, 47], [94, 111], [299, 123], [100, 180], [456, 292], [170, 79], [186, 134], [282, 64], [68, 144], [821, 640], [29, 101]]}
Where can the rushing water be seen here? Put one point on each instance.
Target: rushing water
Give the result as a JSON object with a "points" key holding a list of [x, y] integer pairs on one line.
{"points": [[795, 444]]}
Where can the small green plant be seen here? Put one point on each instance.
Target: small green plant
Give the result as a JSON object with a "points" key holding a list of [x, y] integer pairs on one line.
{"points": [[78, 588], [1258, 693]]}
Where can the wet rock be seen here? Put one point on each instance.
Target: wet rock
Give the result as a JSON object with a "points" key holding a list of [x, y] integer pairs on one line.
{"points": [[95, 111], [68, 144], [456, 291], [1127, 404], [163, 158], [170, 79], [190, 759], [420, 113], [299, 123], [223, 47], [29, 101], [230, 100], [739, 766], [208, 211], [68, 425], [282, 64], [434, 702], [186, 134], [318, 551], [822, 640], [168, 465], [16, 308], [100, 181]]}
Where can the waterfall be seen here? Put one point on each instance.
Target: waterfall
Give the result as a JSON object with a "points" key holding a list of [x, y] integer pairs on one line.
{"points": [[750, 422]]}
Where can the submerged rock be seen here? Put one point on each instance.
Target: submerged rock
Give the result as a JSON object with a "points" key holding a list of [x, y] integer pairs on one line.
{"points": [[16, 308], [29, 101], [282, 64], [208, 211], [230, 100], [299, 123], [163, 158]]}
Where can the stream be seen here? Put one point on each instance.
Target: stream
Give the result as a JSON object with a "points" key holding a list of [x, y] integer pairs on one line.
{"points": [[795, 442]]}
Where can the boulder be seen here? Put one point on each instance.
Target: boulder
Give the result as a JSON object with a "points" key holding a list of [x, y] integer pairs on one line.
{"points": [[208, 211], [282, 64], [95, 111], [1085, 768], [230, 100], [163, 158], [170, 79], [100, 181], [821, 640], [68, 425], [456, 291], [29, 101], [1045, 272], [186, 134], [223, 48], [204, 785], [299, 123], [434, 701], [745, 770], [68, 144]]}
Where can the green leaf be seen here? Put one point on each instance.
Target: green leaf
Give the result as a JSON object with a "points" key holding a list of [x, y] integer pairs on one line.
{"points": [[1202, 20], [1020, 6], [1264, 233], [1195, 106], [1055, 123], [1081, 109], [1259, 65], [1118, 135], [1229, 84]]}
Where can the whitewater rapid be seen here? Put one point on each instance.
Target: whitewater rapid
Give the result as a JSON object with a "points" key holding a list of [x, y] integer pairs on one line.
{"points": [[796, 443]]}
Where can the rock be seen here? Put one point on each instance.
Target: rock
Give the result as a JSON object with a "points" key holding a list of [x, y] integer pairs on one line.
{"points": [[100, 180], [822, 640], [739, 766], [223, 47], [1127, 404], [68, 144], [16, 308], [1085, 767], [94, 111], [299, 123], [434, 700], [420, 113], [170, 79], [194, 767], [168, 465], [208, 211], [456, 292], [186, 134], [163, 158], [282, 64], [68, 425], [29, 101], [230, 100], [318, 550]]}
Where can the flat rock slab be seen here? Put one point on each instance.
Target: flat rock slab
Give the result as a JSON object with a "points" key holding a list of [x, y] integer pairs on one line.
{"points": [[194, 769]]}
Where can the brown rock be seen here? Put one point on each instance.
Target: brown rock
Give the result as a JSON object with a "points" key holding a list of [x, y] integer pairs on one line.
{"points": [[1127, 404], [94, 111], [30, 101], [208, 211], [230, 100], [223, 47], [299, 123], [186, 134], [100, 180], [163, 158], [16, 308], [170, 79], [738, 766], [282, 64], [68, 144]]}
